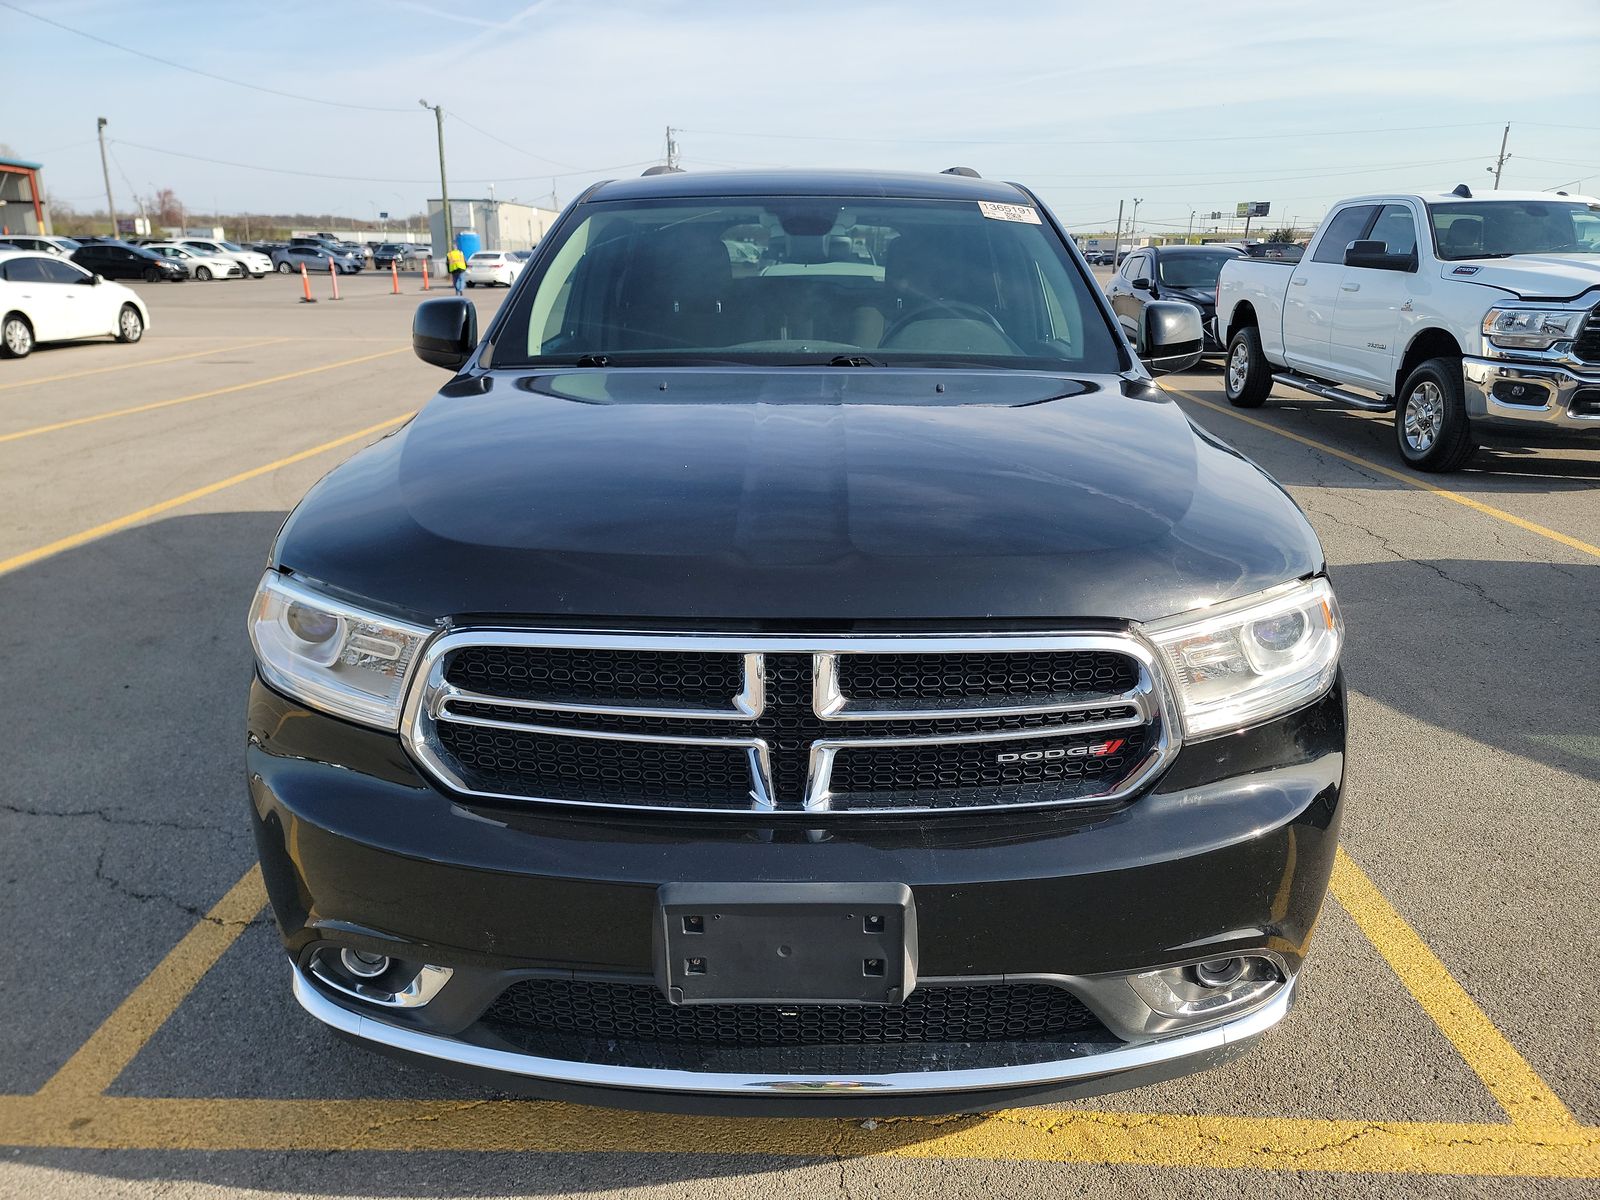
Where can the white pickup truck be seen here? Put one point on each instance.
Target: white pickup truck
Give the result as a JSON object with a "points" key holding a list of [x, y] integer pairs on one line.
{"points": [[1472, 318]]}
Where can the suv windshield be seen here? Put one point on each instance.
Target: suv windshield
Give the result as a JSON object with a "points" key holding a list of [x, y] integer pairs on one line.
{"points": [[805, 281], [1197, 270], [1500, 228]]}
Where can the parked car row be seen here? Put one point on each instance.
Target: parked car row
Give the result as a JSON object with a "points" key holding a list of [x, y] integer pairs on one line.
{"points": [[47, 298]]}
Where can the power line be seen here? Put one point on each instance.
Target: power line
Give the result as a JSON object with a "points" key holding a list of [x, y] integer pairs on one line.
{"points": [[222, 162], [1305, 135], [167, 62], [508, 145]]}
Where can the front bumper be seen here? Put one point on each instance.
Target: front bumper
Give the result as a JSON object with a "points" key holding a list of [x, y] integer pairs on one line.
{"points": [[1228, 853], [1534, 397]]}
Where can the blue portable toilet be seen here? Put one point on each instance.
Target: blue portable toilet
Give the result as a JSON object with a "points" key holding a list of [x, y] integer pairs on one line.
{"points": [[468, 242]]}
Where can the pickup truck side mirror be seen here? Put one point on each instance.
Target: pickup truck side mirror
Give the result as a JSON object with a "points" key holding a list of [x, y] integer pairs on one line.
{"points": [[1375, 256], [1170, 336], [444, 332]]}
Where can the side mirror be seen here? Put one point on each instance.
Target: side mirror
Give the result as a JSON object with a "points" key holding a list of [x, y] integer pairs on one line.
{"points": [[1374, 255], [444, 332], [1170, 336], [1142, 283]]}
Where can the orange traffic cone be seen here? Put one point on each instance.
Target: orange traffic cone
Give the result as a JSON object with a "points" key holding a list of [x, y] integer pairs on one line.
{"points": [[305, 282], [394, 276], [333, 274], [424, 274]]}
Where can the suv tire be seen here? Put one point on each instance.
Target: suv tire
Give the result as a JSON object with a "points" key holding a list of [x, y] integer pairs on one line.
{"points": [[1246, 374], [1431, 429]]}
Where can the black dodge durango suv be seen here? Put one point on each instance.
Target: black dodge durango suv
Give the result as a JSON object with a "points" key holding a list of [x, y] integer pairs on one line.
{"points": [[799, 663]]}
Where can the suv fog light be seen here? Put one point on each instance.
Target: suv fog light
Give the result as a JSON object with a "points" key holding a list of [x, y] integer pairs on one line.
{"points": [[363, 965], [1213, 988], [1214, 973]]}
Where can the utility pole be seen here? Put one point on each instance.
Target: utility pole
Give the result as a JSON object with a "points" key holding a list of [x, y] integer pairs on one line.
{"points": [[672, 148], [1499, 163], [1133, 220], [105, 171], [444, 186], [1116, 241]]}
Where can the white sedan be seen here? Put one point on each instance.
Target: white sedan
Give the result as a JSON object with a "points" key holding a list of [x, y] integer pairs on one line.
{"points": [[199, 266], [490, 267], [253, 261], [44, 298]]}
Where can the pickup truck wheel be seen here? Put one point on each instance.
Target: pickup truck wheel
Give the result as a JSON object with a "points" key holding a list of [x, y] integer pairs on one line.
{"points": [[1247, 377], [1431, 428]]}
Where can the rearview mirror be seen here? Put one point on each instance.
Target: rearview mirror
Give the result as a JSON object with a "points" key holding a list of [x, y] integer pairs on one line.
{"points": [[1170, 336], [1374, 255], [444, 332]]}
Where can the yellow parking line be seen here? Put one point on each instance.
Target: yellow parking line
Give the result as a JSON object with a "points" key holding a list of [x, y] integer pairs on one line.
{"points": [[144, 362], [1526, 1098], [222, 391], [1413, 481], [113, 1046], [27, 557], [1016, 1135]]}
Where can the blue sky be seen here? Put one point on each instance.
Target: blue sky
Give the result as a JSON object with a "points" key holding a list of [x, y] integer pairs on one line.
{"points": [[1191, 108]]}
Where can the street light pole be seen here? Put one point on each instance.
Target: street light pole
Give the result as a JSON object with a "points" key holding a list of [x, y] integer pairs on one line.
{"points": [[1133, 221], [105, 171], [1190, 235], [444, 187]]}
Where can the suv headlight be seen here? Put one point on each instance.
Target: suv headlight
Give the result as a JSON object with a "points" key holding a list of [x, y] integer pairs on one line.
{"points": [[1252, 659], [1531, 328], [331, 654]]}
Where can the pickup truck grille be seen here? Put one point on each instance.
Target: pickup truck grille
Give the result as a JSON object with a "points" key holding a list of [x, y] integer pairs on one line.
{"points": [[1586, 345], [769, 724]]}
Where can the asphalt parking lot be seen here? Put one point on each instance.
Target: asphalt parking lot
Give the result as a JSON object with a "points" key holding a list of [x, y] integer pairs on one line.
{"points": [[1447, 1026]]}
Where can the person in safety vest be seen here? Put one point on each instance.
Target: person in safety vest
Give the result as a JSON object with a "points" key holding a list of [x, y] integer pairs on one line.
{"points": [[456, 263]]}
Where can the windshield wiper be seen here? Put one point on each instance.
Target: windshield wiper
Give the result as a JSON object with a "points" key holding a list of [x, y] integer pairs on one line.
{"points": [[853, 360]]}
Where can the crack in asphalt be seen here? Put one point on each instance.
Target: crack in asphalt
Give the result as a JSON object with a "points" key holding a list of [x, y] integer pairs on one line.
{"points": [[24, 810], [193, 910]]}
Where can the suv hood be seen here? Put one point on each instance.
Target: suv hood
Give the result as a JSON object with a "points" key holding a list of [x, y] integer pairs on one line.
{"points": [[1531, 276], [742, 495]]}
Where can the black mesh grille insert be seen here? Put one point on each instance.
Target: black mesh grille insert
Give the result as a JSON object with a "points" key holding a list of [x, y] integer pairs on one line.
{"points": [[1060, 764], [638, 1012], [594, 771], [1587, 344], [646, 678], [910, 679]]}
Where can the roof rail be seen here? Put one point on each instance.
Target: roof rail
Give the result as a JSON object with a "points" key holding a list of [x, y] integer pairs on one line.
{"points": [[1463, 191], [968, 171]]}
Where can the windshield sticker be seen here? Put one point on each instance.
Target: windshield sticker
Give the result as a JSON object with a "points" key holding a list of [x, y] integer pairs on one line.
{"points": [[995, 211], [1465, 271]]}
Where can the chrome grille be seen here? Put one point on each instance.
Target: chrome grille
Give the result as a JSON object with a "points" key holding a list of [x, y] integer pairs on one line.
{"points": [[775, 724]]}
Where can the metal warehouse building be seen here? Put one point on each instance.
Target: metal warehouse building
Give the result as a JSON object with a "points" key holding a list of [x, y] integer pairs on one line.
{"points": [[499, 224], [21, 198]]}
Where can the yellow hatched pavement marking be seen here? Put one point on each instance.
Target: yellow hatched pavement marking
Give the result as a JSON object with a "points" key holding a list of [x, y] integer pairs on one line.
{"points": [[143, 362], [1542, 1140], [214, 392], [27, 557], [123, 1034], [1515, 1085], [1412, 481]]}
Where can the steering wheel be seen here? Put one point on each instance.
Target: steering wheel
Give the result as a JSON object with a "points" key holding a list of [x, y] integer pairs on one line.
{"points": [[959, 309]]}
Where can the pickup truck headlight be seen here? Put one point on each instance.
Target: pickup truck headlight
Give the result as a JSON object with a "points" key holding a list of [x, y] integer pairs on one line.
{"points": [[1251, 659], [1531, 328], [334, 656]]}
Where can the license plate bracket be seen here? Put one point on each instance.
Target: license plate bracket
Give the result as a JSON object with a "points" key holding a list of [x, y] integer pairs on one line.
{"points": [[786, 943]]}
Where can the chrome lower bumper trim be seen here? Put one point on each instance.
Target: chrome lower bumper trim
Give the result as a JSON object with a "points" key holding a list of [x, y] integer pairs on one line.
{"points": [[1111, 1063], [1559, 385]]}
